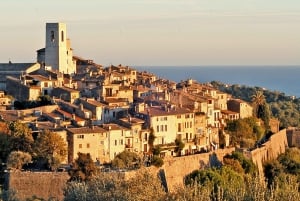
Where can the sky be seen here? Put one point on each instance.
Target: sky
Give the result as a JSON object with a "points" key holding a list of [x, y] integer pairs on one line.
{"points": [[158, 32]]}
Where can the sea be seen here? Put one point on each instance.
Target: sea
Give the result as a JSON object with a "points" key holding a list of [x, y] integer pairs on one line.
{"points": [[284, 79]]}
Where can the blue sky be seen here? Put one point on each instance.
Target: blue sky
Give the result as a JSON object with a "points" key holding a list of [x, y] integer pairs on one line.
{"points": [[158, 32]]}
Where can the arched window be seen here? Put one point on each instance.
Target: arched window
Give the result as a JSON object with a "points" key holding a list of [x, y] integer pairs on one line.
{"points": [[62, 36], [52, 36]]}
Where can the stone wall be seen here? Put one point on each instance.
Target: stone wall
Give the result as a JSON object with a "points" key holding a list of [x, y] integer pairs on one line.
{"points": [[41, 184], [270, 150], [176, 168]]}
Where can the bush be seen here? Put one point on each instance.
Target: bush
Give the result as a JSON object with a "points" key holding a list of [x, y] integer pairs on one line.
{"points": [[157, 161], [127, 159], [17, 159]]}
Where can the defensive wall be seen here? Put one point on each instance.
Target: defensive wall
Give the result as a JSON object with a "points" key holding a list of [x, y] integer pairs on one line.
{"points": [[176, 168], [270, 150], [40, 184]]}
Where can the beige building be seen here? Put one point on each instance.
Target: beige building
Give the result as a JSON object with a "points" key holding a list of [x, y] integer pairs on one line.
{"points": [[92, 140], [66, 94], [22, 92], [237, 105], [15, 70], [169, 123], [133, 139], [116, 136]]}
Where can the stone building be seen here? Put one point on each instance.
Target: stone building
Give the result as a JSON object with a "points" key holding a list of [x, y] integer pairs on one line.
{"points": [[293, 137], [15, 70], [237, 105], [92, 140], [58, 53]]}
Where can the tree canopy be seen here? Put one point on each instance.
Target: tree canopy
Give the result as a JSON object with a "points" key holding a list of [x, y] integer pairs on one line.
{"points": [[50, 148], [83, 168]]}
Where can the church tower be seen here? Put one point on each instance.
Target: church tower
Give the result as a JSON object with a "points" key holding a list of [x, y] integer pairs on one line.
{"points": [[58, 53]]}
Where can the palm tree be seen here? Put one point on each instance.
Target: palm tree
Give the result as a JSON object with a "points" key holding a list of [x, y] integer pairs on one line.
{"points": [[258, 101], [261, 108]]}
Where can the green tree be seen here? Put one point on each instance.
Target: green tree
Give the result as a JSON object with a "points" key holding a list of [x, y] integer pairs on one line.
{"points": [[157, 161], [50, 148], [142, 186], [179, 146], [127, 159], [17, 159], [247, 164], [20, 137], [83, 168], [151, 140], [291, 161]]}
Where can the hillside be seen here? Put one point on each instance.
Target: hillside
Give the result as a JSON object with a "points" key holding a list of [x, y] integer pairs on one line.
{"points": [[285, 108]]}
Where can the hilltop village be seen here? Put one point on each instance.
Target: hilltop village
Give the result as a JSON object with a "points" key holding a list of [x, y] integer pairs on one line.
{"points": [[106, 110]]}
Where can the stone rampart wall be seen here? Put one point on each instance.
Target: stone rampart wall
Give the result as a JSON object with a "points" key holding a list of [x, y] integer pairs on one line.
{"points": [[40, 184], [176, 168], [270, 150]]}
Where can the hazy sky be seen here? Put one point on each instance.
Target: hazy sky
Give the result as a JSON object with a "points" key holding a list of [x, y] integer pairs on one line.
{"points": [[158, 32]]}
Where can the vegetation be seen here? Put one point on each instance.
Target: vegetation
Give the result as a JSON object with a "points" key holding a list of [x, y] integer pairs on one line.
{"points": [[47, 151], [288, 163], [50, 149], [41, 101], [83, 168], [261, 108], [14, 136], [247, 164], [179, 146], [17, 159], [245, 132], [157, 161], [127, 159], [285, 108], [143, 186], [151, 140]]}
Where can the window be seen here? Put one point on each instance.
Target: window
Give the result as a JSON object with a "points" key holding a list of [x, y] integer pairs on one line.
{"points": [[166, 128], [162, 128], [52, 36], [179, 127], [62, 36], [101, 142], [186, 136], [178, 116], [45, 84], [88, 145], [191, 124], [121, 142], [114, 114], [146, 137], [80, 136], [116, 142], [80, 146], [157, 128]]}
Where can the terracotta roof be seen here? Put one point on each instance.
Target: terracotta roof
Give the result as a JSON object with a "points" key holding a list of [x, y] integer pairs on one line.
{"points": [[159, 111], [95, 103], [40, 77], [114, 127], [86, 130], [228, 112]]}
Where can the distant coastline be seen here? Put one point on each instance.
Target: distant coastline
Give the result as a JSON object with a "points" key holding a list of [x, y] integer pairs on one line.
{"points": [[284, 79]]}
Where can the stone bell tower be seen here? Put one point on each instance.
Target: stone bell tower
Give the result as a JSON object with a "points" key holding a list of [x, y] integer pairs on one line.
{"points": [[58, 53]]}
